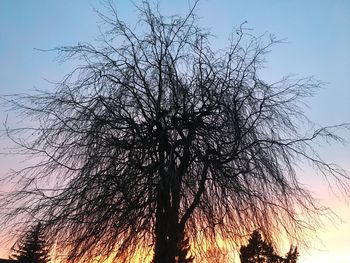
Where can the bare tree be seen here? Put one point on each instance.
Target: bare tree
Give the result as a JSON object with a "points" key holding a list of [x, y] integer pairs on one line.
{"points": [[156, 138]]}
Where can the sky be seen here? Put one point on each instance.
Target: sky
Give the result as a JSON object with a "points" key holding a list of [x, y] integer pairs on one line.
{"points": [[316, 43]]}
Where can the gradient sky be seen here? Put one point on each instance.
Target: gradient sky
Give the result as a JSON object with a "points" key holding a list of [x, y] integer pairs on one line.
{"points": [[317, 43]]}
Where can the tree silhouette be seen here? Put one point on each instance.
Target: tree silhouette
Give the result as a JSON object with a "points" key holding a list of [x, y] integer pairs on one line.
{"points": [[260, 251], [292, 255], [184, 255], [31, 247], [156, 135]]}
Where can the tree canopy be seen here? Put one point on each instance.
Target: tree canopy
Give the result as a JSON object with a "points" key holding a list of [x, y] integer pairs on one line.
{"points": [[157, 140]]}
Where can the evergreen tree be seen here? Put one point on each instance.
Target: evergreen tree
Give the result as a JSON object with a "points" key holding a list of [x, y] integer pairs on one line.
{"points": [[31, 247], [292, 255], [259, 251]]}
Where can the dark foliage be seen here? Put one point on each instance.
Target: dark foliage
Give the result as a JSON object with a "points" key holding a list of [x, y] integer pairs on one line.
{"points": [[292, 255], [260, 251], [31, 247]]}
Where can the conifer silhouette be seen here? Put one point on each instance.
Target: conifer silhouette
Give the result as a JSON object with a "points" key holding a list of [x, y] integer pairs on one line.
{"points": [[31, 247], [292, 255], [260, 251]]}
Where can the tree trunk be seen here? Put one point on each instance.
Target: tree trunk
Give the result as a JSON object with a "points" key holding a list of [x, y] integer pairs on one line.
{"points": [[160, 249], [168, 231]]}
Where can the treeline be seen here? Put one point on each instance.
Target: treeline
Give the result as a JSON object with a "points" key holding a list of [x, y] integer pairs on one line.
{"points": [[32, 248]]}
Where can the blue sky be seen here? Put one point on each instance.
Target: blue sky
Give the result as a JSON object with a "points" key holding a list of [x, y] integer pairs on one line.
{"points": [[317, 41]]}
